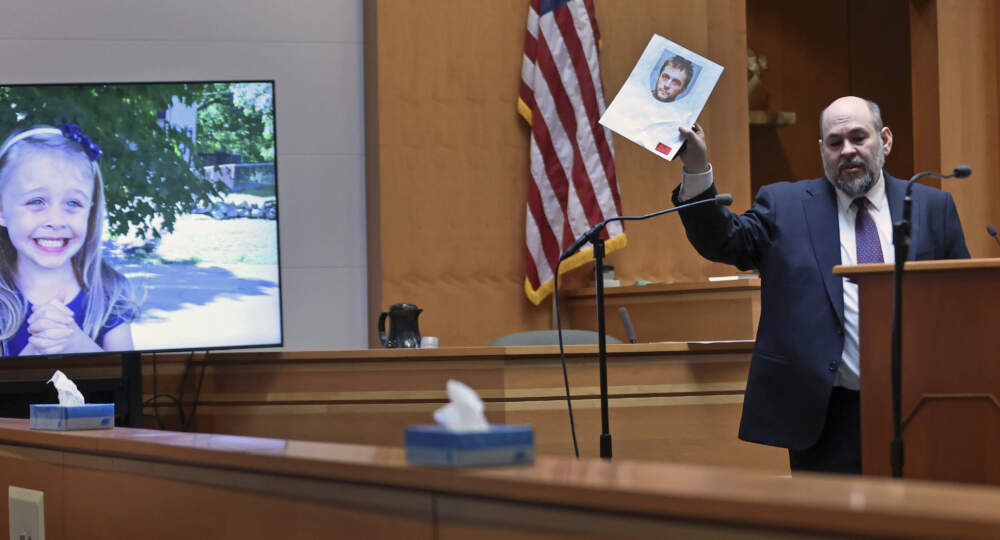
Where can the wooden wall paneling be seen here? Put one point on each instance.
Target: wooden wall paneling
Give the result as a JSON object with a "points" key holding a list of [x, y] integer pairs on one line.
{"points": [[925, 93], [40, 470], [465, 519], [452, 156], [659, 409], [817, 52], [879, 53], [955, 102], [173, 509], [724, 310], [453, 163], [141, 499], [155, 484], [970, 125], [806, 46], [669, 402], [658, 250]]}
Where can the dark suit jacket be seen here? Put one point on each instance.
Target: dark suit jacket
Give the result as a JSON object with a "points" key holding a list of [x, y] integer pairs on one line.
{"points": [[791, 237]]}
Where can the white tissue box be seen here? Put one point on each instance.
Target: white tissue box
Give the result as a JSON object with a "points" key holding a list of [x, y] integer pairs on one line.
{"points": [[500, 445], [58, 417]]}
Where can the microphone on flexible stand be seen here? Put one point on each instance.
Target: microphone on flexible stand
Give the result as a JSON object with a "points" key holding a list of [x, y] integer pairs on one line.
{"points": [[993, 232], [962, 171], [594, 237], [901, 243], [722, 199]]}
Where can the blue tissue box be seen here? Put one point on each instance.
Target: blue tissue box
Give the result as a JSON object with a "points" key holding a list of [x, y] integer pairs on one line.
{"points": [[60, 418], [501, 445]]}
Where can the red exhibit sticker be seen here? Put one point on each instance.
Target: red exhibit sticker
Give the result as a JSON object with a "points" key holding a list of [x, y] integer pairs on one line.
{"points": [[663, 149]]}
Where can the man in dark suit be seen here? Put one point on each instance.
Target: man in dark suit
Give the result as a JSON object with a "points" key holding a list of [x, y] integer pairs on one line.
{"points": [[803, 388]]}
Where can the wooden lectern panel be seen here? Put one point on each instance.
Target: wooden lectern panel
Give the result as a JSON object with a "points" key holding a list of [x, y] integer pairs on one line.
{"points": [[950, 372]]}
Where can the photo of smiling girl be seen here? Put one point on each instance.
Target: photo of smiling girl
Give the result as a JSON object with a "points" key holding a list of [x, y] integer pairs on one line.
{"points": [[57, 294]]}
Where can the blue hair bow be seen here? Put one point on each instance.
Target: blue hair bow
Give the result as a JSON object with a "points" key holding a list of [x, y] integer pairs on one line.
{"points": [[74, 132]]}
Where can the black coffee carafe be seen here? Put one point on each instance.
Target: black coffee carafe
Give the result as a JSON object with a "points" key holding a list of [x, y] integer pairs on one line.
{"points": [[403, 329]]}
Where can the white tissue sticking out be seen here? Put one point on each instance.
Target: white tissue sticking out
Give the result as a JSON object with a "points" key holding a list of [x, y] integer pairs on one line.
{"points": [[465, 410], [69, 396]]}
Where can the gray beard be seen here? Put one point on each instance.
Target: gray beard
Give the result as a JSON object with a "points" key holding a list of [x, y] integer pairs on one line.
{"points": [[856, 187]]}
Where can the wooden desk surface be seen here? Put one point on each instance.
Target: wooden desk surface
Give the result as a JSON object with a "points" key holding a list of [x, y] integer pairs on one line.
{"points": [[15, 368], [804, 504]]}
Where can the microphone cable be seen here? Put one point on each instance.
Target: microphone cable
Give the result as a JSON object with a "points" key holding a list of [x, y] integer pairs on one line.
{"points": [[562, 358]]}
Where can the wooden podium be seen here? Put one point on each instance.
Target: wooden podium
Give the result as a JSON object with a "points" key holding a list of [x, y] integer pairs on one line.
{"points": [[950, 368]]}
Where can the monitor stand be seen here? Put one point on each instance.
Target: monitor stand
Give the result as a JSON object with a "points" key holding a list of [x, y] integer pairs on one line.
{"points": [[132, 383]]}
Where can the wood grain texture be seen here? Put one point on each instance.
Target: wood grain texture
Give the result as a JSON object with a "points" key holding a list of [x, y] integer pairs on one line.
{"points": [[452, 156], [446, 124], [817, 52], [950, 382], [157, 484], [721, 310], [968, 111], [669, 402]]}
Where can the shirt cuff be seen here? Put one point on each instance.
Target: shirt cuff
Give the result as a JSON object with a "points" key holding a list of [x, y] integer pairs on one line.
{"points": [[693, 184]]}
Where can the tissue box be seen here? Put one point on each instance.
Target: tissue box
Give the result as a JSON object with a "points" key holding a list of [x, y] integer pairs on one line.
{"points": [[61, 418], [500, 445]]}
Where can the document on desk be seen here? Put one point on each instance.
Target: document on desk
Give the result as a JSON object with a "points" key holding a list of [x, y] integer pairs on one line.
{"points": [[668, 88]]}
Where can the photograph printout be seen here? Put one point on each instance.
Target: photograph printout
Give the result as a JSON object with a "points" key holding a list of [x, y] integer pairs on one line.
{"points": [[667, 88]]}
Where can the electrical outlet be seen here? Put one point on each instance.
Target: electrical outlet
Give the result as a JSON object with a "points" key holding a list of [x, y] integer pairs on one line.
{"points": [[27, 513]]}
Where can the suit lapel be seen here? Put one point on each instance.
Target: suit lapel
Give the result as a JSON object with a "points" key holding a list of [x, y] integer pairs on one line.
{"points": [[895, 190], [820, 206]]}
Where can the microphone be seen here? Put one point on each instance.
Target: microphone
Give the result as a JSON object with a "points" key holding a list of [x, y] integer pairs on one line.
{"points": [[627, 322], [962, 171], [901, 244], [990, 229], [722, 199]]}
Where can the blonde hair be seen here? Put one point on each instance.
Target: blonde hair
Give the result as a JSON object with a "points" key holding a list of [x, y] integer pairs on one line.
{"points": [[108, 291]]}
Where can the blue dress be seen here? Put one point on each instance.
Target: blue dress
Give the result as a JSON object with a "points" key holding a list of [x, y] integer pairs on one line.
{"points": [[19, 341]]}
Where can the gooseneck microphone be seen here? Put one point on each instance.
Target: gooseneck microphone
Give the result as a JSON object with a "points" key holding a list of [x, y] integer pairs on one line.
{"points": [[962, 171], [722, 199], [993, 232], [901, 243]]}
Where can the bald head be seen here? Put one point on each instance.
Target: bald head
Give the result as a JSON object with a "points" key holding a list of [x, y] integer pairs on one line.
{"points": [[851, 107], [853, 144]]}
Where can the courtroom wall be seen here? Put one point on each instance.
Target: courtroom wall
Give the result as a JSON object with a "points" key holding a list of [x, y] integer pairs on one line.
{"points": [[963, 90], [448, 156]]}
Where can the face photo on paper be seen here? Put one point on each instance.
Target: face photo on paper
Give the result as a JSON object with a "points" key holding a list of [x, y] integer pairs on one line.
{"points": [[667, 88]]}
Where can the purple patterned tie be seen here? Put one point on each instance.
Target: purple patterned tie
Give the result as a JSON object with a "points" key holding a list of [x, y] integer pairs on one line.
{"points": [[866, 234]]}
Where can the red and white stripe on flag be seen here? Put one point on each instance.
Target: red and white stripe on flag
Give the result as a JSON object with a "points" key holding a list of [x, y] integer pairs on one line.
{"points": [[573, 185]]}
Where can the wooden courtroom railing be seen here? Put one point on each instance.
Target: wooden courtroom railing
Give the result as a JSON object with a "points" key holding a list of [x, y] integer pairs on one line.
{"points": [[672, 311], [668, 401], [137, 483]]}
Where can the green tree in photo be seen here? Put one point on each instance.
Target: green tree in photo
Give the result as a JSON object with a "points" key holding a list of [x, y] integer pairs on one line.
{"points": [[148, 180], [149, 165], [236, 118]]}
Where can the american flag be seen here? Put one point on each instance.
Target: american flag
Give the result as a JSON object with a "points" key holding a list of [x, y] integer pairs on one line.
{"points": [[573, 183]]}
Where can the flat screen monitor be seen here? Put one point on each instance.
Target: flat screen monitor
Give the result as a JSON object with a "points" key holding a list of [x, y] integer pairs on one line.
{"points": [[138, 217]]}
